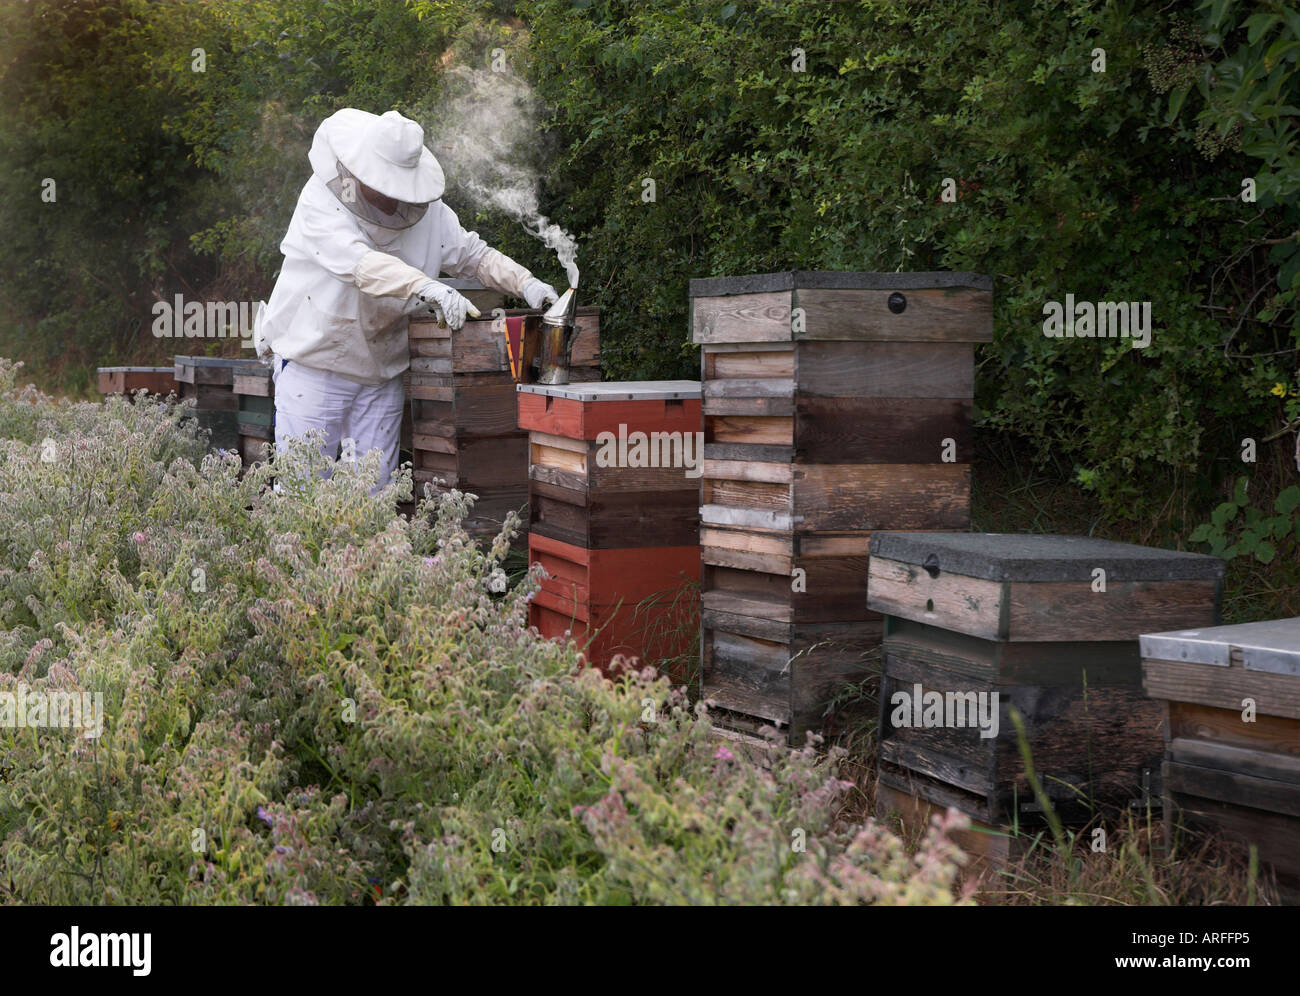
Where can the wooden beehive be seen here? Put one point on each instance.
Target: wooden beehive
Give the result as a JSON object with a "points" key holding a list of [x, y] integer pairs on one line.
{"points": [[614, 517], [1047, 624], [462, 425], [1231, 696], [254, 391], [128, 380], [210, 381], [834, 404]]}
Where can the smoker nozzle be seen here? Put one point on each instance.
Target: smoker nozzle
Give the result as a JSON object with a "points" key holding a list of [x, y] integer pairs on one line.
{"points": [[564, 311]]}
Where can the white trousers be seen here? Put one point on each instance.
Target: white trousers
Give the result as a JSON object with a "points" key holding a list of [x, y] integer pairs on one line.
{"points": [[370, 416]]}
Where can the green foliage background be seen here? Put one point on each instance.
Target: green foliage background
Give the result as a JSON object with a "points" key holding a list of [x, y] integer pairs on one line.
{"points": [[1122, 184]]}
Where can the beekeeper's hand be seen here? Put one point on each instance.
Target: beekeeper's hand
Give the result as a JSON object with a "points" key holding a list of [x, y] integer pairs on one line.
{"points": [[537, 293], [453, 305]]}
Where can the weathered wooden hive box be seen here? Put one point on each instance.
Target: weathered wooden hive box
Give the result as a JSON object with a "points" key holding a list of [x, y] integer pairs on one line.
{"points": [[210, 381], [1231, 696], [976, 623], [613, 515], [835, 404], [255, 393], [128, 380], [461, 422]]}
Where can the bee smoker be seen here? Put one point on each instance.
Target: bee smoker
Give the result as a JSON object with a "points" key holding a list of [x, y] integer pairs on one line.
{"points": [[558, 329]]}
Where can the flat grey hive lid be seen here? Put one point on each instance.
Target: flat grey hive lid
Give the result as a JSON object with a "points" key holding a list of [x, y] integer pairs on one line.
{"points": [[1041, 557], [787, 280], [618, 390], [1272, 646], [217, 361]]}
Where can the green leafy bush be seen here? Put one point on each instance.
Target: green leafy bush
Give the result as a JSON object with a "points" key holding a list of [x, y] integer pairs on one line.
{"points": [[310, 699], [1239, 528]]}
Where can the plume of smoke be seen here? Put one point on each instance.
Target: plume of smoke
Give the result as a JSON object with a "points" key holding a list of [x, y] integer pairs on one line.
{"points": [[483, 133]]}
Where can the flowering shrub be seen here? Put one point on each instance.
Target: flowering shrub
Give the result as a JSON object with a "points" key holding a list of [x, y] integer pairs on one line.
{"points": [[309, 699]]}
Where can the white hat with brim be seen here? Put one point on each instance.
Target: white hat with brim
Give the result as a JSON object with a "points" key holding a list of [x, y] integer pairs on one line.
{"points": [[385, 151]]}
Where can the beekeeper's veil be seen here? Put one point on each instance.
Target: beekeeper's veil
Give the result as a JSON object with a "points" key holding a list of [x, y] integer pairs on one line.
{"points": [[386, 153]]}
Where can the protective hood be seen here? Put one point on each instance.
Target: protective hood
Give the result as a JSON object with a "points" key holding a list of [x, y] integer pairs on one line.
{"points": [[377, 223], [386, 152]]}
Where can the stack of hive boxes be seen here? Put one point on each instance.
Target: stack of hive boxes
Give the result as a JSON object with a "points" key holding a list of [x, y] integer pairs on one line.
{"points": [[613, 516], [834, 404], [255, 394], [210, 382], [128, 380], [464, 432], [978, 623], [1231, 700]]}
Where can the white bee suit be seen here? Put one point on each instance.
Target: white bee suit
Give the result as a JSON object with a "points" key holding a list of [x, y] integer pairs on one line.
{"points": [[336, 322]]}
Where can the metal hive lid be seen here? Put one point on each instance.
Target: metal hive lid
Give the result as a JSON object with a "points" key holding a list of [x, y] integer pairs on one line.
{"points": [[618, 390], [1272, 646]]}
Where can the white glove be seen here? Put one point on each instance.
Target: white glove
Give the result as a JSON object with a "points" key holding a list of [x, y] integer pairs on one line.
{"points": [[537, 293], [449, 302]]}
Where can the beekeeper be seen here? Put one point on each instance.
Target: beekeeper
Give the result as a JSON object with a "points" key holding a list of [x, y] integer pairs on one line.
{"points": [[368, 238]]}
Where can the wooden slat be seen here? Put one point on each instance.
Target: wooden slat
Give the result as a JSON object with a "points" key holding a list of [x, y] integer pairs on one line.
{"points": [[882, 430], [965, 605], [746, 605], [431, 365], [723, 516], [769, 407], [417, 329], [761, 317], [1188, 721], [886, 370], [957, 772], [747, 494], [759, 628], [558, 458], [435, 444], [560, 442], [433, 427], [761, 387], [882, 496], [1281, 768], [742, 363], [254, 385], [1071, 610], [743, 663], [766, 707], [748, 430], [556, 476], [748, 470], [954, 314], [748, 452], [1235, 787], [1222, 687], [431, 347]]}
